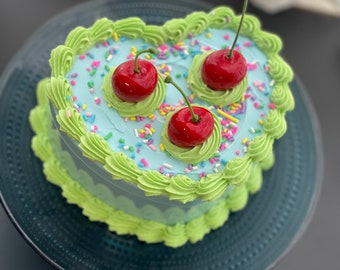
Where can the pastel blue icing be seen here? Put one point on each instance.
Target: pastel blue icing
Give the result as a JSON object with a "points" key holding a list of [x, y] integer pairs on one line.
{"points": [[105, 120]]}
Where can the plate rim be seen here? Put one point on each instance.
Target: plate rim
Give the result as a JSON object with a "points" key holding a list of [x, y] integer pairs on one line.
{"points": [[16, 61]]}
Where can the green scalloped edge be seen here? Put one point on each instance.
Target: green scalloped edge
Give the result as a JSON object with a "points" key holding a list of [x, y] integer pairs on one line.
{"points": [[180, 188], [117, 221]]}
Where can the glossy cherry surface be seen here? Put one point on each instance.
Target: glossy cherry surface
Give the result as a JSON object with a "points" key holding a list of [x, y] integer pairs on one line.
{"points": [[222, 72], [135, 80], [184, 132], [133, 86]]}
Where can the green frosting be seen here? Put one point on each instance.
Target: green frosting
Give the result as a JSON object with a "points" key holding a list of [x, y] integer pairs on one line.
{"points": [[41, 123], [132, 27], [221, 17], [184, 189], [251, 26], [260, 148], [152, 184], [197, 22], [97, 153], [78, 39], [40, 143], [61, 60], [275, 124], [101, 30], [195, 154], [176, 29], [154, 35], [268, 43], [254, 181], [206, 93], [71, 123], [57, 91], [279, 69], [282, 97], [43, 145], [129, 109]]}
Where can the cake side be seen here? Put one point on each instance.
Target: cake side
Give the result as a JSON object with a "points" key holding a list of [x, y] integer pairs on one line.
{"points": [[94, 205], [178, 187]]}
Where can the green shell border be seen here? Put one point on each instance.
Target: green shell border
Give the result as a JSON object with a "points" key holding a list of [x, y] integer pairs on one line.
{"points": [[117, 221], [182, 189]]}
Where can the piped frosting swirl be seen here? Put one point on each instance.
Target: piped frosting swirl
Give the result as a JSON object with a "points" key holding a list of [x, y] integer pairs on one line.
{"points": [[184, 189]]}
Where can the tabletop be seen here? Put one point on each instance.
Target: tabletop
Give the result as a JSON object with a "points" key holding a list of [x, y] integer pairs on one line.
{"points": [[311, 47]]}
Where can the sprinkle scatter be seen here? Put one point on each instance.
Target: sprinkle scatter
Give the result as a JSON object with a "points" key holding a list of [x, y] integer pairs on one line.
{"points": [[140, 136]]}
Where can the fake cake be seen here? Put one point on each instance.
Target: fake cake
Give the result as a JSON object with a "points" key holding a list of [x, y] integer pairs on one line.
{"points": [[118, 160]]}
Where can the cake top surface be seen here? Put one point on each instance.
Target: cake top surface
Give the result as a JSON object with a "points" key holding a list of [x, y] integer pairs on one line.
{"points": [[127, 138]]}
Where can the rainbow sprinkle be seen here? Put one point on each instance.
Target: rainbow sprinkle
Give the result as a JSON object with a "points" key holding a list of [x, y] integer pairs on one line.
{"points": [[98, 64]]}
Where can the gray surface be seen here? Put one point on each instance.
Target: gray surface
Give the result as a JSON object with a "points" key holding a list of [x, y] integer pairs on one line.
{"points": [[312, 47]]}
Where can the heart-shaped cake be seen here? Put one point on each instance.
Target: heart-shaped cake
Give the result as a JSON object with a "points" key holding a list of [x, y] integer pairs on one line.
{"points": [[114, 158]]}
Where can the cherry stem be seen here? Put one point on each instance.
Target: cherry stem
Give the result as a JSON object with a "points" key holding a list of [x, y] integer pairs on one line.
{"points": [[150, 50], [194, 117], [244, 8]]}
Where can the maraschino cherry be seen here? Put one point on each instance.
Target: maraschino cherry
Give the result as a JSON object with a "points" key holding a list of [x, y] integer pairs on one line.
{"points": [[222, 70], [191, 125], [135, 80]]}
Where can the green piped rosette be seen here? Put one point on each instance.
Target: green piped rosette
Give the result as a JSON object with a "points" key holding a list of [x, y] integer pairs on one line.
{"points": [[197, 153], [129, 109], [205, 93], [180, 188], [59, 170]]}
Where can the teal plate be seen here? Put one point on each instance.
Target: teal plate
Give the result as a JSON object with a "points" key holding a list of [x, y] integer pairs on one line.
{"points": [[251, 239]]}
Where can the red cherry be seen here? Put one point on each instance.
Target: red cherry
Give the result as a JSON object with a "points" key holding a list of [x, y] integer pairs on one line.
{"points": [[184, 132], [222, 72], [191, 125], [135, 80]]}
